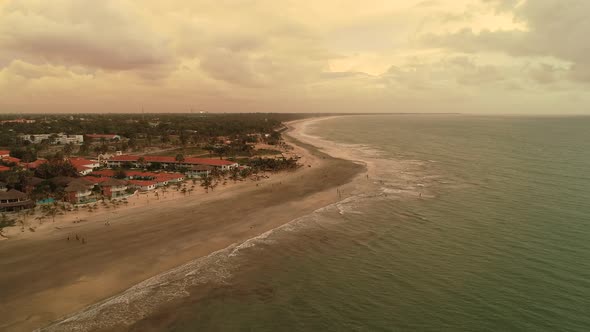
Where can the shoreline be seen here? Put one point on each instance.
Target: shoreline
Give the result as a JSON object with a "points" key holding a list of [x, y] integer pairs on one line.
{"points": [[145, 242]]}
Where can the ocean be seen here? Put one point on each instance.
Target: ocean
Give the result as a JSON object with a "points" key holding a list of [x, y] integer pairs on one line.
{"points": [[464, 223]]}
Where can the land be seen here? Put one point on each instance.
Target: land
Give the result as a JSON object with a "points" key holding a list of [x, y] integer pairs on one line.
{"points": [[46, 276]]}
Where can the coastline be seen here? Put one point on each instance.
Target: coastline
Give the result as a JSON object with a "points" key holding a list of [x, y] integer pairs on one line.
{"points": [[50, 278]]}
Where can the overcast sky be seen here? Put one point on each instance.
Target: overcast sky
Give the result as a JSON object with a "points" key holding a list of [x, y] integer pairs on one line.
{"points": [[474, 56]]}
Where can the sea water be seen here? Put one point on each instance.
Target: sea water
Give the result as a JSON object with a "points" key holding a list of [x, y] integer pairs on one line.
{"points": [[466, 223]]}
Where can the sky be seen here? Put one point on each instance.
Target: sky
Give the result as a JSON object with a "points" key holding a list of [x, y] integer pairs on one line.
{"points": [[468, 56]]}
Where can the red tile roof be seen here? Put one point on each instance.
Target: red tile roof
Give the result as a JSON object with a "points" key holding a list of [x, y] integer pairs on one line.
{"points": [[4, 152], [166, 159], [4, 168], [95, 180], [104, 172], [35, 164], [81, 164], [11, 160]]}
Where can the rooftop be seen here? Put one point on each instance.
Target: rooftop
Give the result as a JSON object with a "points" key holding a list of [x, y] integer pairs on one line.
{"points": [[166, 159]]}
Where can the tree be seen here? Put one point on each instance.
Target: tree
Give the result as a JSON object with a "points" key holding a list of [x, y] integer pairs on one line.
{"points": [[120, 174], [234, 174], [207, 182], [68, 149], [141, 161]]}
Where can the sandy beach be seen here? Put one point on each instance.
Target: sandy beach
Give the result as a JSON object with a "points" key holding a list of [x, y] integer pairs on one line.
{"points": [[44, 276]]}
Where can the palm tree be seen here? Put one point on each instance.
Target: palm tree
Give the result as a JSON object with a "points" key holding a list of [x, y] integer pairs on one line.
{"points": [[207, 182], [141, 161]]}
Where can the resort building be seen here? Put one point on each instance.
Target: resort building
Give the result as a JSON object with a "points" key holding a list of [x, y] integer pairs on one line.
{"points": [[166, 161], [114, 189], [79, 191], [199, 171], [143, 185], [84, 166], [14, 201], [53, 138]]}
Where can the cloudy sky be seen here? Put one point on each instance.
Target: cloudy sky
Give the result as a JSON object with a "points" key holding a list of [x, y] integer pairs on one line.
{"points": [[475, 56]]}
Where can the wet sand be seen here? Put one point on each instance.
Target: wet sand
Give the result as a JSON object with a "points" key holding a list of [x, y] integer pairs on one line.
{"points": [[45, 277]]}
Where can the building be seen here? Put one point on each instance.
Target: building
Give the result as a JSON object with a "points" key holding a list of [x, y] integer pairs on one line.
{"points": [[53, 138], [199, 171], [84, 166], [18, 121], [79, 191], [10, 160], [113, 188], [4, 153], [166, 161], [143, 185], [14, 201], [108, 137], [4, 168], [34, 164]]}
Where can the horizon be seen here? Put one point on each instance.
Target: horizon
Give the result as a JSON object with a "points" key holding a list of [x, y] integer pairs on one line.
{"points": [[480, 57]]}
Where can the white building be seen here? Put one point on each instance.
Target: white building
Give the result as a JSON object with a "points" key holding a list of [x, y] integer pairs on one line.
{"points": [[59, 138]]}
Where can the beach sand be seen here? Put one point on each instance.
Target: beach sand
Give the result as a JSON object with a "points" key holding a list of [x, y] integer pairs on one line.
{"points": [[44, 277]]}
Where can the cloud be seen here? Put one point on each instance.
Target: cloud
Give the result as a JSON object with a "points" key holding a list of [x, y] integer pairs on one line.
{"points": [[555, 29], [285, 55], [100, 34]]}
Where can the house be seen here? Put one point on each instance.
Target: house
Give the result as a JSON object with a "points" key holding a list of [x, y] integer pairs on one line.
{"points": [[35, 164], [14, 201], [79, 191], [166, 161], [10, 160], [114, 189], [84, 166], [4, 168], [32, 182], [4, 153], [143, 185], [199, 171], [108, 137]]}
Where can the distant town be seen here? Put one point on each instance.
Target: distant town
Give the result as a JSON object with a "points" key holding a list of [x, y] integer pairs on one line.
{"points": [[53, 164]]}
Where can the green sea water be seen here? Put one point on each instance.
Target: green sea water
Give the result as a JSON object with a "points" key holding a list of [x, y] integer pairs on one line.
{"points": [[471, 224]]}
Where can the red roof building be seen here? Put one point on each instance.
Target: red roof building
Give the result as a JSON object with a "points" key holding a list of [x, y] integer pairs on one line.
{"points": [[10, 160], [4, 168], [143, 185], [83, 166], [117, 161], [35, 164], [4, 153]]}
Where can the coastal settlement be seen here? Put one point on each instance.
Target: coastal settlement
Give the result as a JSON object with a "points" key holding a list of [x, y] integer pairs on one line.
{"points": [[55, 165]]}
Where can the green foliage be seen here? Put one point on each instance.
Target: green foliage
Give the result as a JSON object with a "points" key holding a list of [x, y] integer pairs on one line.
{"points": [[56, 167], [5, 221], [25, 154], [120, 174]]}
